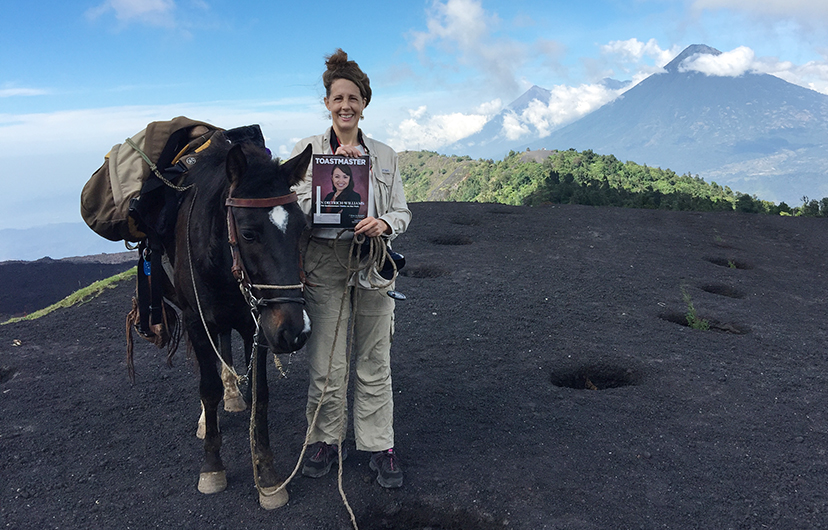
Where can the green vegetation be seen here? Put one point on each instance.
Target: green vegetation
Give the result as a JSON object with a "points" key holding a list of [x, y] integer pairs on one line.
{"points": [[693, 320], [426, 174], [572, 177], [81, 296]]}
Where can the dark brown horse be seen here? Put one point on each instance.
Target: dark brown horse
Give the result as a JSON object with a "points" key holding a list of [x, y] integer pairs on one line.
{"points": [[235, 255]]}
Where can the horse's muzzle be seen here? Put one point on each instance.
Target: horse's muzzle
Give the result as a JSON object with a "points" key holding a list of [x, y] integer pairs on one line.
{"points": [[286, 327]]}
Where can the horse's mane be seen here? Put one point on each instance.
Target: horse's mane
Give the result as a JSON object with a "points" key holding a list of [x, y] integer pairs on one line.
{"points": [[258, 182]]}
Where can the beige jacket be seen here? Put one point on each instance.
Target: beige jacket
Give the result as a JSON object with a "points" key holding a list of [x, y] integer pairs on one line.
{"points": [[389, 198]]}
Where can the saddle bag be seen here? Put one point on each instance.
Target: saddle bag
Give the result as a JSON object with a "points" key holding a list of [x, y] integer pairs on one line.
{"points": [[134, 196], [129, 166]]}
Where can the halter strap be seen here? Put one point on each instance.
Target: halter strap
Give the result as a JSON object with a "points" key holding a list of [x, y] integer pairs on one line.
{"points": [[267, 202], [238, 269]]}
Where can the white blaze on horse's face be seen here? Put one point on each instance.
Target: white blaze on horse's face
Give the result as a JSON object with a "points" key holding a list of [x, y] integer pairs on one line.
{"points": [[307, 322], [279, 216]]}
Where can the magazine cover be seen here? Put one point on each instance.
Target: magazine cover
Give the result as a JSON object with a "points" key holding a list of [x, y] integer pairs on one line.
{"points": [[340, 190]]}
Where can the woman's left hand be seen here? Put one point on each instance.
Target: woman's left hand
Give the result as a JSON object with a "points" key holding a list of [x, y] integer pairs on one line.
{"points": [[372, 227]]}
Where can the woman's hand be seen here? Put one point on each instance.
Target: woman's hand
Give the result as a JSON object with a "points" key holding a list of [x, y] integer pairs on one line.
{"points": [[372, 227], [348, 150]]}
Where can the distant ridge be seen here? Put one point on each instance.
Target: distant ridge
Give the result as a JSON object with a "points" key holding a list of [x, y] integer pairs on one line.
{"points": [[55, 241]]}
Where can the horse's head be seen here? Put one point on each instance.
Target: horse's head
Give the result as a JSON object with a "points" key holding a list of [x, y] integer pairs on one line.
{"points": [[267, 224]]}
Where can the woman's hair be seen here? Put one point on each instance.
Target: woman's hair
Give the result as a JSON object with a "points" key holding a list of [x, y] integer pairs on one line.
{"points": [[339, 67], [347, 170]]}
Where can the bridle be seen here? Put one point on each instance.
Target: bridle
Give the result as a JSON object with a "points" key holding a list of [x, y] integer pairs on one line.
{"points": [[238, 269], [240, 273]]}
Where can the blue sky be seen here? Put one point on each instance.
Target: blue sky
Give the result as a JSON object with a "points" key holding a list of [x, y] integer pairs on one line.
{"points": [[78, 77]]}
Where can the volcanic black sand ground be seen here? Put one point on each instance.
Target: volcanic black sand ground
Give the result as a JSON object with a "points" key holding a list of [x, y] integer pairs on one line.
{"points": [[543, 379]]}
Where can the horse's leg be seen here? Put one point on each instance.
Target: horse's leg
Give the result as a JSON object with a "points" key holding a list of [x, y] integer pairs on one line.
{"points": [[201, 431], [233, 400], [212, 478], [268, 482]]}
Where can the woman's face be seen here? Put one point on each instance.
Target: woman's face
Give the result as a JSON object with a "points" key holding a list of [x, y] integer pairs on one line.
{"points": [[340, 179], [345, 104]]}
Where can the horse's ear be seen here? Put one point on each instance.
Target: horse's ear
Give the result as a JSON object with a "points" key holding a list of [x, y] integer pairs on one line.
{"points": [[297, 166], [236, 164]]}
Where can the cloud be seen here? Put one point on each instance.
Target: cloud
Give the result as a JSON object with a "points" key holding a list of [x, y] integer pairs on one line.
{"points": [[152, 12], [490, 108], [9, 92], [47, 157], [566, 104], [742, 60], [422, 130], [804, 10], [727, 64], [813, 74], [466, 34], [634, 51], [630, 59], [513, 127]]}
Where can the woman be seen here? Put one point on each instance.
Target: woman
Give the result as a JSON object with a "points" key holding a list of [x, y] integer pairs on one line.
{"points": [[347, 200], [348, 92]]}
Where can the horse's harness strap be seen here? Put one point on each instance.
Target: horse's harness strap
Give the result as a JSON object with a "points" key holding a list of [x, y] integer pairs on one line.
{"points": [[268, 202]]}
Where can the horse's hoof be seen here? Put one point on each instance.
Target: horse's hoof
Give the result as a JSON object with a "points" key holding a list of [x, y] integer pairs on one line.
{"points": [[234, 404], [270, 498], [212, 482]]}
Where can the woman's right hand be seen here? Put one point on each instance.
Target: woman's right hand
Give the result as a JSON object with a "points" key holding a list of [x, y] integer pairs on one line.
{"points": [[348, 150]]}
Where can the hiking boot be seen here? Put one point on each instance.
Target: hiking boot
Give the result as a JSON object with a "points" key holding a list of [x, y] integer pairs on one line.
{"points": [[322, 456], [387, 466]]}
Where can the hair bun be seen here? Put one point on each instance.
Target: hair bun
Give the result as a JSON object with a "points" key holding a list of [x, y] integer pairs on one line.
{"points": [[339, 67], [336, 60]]}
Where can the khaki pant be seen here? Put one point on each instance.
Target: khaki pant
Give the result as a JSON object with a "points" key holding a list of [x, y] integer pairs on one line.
{"points": [[373, 329]]}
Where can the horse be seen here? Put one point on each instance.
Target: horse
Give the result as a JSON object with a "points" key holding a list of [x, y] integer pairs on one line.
{"points": [[236, 266]]}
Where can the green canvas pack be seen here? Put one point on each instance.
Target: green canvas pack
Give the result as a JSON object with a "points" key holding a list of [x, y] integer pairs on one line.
{"points": [[105, 199]]}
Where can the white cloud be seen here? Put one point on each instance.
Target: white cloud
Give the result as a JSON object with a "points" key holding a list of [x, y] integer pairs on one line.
{"points": [[466, 34], [741, 60], [727, 64], [490, 108], [424, 131], [513, 128], [76, 142], [566, 104], [153, 12], [631, 59], [805, 10], [14, 92], [635, 51], [813, 74]]}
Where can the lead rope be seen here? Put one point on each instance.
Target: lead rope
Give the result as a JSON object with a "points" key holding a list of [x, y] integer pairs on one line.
{"points": [[374, 256], [195, 291]]}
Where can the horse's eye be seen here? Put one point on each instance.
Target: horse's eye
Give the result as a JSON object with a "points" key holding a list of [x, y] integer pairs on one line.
{"points": [[249, 236]]}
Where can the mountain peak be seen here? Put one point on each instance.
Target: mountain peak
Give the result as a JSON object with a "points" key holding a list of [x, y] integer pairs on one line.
{"points": [[536, 92], [693, 49]]}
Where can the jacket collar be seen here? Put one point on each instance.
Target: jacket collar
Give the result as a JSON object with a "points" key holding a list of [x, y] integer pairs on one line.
{"points": [[331, 142]]}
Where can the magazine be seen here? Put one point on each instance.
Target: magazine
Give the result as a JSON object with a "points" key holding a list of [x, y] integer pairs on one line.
{"points": [[340, 190]]}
